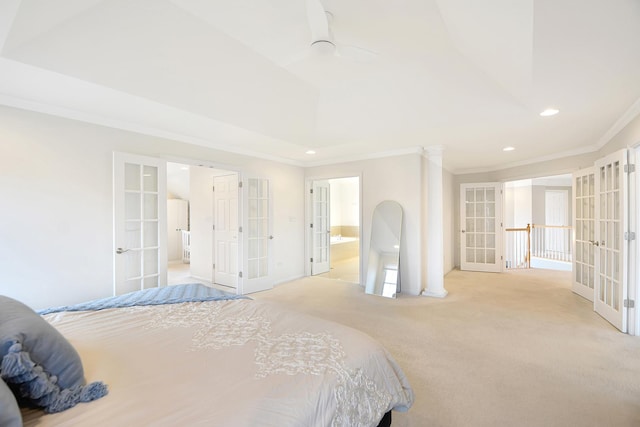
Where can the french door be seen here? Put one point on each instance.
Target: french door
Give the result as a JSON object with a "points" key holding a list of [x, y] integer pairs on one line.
{"points": [[256, 236], [320, 227], [481, 227], [612, 219], [225, 233], [140, 223], [584, 225]]}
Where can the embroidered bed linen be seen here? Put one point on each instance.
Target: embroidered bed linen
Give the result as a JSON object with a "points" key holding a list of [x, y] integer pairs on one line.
{"points": [[227, 363]]}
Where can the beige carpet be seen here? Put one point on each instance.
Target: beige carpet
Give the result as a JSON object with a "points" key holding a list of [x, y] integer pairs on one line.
{"points": [[511, 349]]}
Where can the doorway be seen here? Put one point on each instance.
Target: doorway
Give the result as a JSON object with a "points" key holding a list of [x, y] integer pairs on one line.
{"points": [[335, 228], [537, 219], [202, 225]]}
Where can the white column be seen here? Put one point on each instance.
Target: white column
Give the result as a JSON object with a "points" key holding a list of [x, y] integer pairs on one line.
{"points": [[435, 238]]}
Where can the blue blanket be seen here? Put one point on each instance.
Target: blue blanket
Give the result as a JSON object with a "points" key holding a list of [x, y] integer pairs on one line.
{"points": [[194, 292]]}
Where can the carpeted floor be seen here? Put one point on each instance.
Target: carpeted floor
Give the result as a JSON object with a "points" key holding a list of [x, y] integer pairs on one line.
{"points": [[511, 349]]}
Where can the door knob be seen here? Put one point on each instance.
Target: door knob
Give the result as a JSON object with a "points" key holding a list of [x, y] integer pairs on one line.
{"points": [[270, 237], [121, 250]]}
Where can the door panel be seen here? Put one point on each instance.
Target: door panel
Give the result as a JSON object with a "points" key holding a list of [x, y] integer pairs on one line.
{"points": [[612, 250], [225, 202], [584, 212], [256, 239], [481, 227], [140, 223], [320, 228]]}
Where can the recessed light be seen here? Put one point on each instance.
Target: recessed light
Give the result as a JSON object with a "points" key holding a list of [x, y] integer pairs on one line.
{"points": [[508, 148], [310, 152], [549, 112]]}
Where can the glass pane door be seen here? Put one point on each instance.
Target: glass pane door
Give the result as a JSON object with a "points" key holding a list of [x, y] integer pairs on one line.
{"points": [[320, 226], [256, 236], [584, 190], [140, 215], [611, 222], [481, 227]]}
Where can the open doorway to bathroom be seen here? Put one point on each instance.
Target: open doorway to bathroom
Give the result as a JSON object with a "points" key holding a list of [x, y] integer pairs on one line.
{"points": [[341, 203]]}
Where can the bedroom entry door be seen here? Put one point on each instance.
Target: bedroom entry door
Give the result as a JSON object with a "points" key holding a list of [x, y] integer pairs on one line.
{"points": [[139, 222], [225, 233], [320, 227], [481, 227], [256, 236], [584, 225]]}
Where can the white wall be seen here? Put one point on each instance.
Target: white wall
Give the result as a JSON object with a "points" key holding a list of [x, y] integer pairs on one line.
{"points": [[522, 204], [392, 178], [344, 201], [56, 242]]}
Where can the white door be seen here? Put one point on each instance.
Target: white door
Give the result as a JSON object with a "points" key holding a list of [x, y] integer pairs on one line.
{"points": [[256, 236], [139, 222], [481, 227], [320, 227], [225, 234], [584, 214], [612, 249]]}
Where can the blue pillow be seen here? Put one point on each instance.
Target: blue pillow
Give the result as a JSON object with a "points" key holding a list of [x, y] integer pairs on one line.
{"points": [[9, 411], [38, 363]]}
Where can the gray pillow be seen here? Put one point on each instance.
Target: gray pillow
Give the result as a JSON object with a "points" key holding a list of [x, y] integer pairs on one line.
{"points": [[38, 363], [9, 411]]}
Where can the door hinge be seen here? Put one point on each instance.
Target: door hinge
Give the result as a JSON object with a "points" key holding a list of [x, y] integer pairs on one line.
{"points": [[311, 191], [628, 168], [240, 274], [214, 266], [239, 184], [629, 235], [239, 229], [311, 260], [311, 225], [213, 227], [629, 303], [213, 188]]}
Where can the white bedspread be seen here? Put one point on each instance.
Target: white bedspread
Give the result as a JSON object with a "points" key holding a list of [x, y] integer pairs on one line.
{"points": [[227, 363]]}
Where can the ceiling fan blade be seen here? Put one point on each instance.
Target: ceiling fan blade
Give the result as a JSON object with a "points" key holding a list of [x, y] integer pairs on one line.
{"points": [[355, 53], [318, 21]]}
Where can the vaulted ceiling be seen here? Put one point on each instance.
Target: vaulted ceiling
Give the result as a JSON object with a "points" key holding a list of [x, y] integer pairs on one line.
{"points": [[471, 76]]}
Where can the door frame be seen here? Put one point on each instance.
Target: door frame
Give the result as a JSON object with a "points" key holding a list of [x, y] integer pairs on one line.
{"points": [[308, 218], [633, 322]]}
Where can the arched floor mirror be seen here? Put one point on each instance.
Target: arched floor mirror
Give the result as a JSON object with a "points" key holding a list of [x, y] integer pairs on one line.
{"points": [[383, 271]]}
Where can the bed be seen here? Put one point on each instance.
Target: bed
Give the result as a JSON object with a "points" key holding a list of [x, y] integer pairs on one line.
{"points": [[222, 360]]}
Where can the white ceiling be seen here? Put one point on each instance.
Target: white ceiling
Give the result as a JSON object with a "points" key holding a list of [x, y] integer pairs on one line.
{"points": [[239, 75]]}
